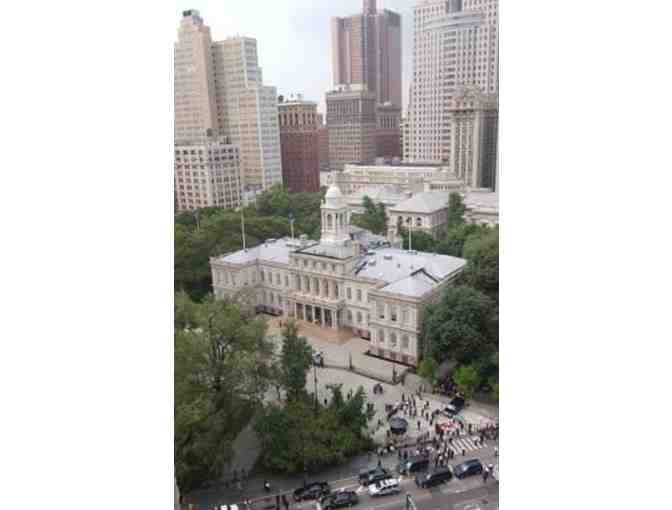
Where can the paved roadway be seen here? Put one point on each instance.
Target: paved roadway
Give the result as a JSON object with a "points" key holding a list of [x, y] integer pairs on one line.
{"points": [[468, 494]]}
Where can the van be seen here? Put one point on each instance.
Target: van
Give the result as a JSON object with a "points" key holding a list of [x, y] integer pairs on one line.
{"points": [[436, 477], [413, 465]]}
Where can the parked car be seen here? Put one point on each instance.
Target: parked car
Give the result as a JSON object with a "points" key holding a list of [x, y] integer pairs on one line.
{"points": [[468, 468], [228, 507], [454, 406], [413, 465], [436, 477], [339, 500], [365, 473], [384, 487], [314, 490]]}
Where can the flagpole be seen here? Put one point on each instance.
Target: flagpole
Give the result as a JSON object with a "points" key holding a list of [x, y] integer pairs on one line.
{"points": [[242, 221]]}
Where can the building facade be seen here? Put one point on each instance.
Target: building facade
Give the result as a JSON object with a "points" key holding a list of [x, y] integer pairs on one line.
{"points": [[248, 111], [207, 174], [455, 46], [299, 142], [323, 143], [423, 212], [474, 142], [378, 294], [351, 122], [219, 95], [388, 134], [366, 50]]}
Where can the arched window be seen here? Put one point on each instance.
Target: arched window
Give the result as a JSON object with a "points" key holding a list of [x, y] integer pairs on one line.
{"points": [[381, 336], [393, 313], [349, 317], [409, 220], [418, 222], [359, 317], [404, 342], [329, 221]]}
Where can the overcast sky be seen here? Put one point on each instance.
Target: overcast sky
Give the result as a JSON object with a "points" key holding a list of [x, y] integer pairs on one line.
{"points": [[293, 37]]}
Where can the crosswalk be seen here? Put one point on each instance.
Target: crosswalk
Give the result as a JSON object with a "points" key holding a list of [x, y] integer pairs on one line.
{"points": [[467, 444]]}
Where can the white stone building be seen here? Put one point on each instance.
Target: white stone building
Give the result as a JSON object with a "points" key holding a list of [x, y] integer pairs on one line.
{"points": [[378, 294], [425, 212]]}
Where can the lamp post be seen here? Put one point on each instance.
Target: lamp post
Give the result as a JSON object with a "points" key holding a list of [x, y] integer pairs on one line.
{"points": [[315, 380]]}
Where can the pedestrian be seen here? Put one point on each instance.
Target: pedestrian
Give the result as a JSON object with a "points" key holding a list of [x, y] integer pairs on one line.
{"points": [[399, 454], [239, 486], [267, 486], [485, 475], [418, 424], [379, 462], [285, 501], [496, 452], [464, 453]]}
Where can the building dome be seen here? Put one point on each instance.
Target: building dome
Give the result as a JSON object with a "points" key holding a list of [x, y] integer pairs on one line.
{"points": [[333, 192]]}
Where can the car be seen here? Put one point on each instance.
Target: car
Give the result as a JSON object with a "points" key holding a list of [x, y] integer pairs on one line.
{"points": [[339, 500], [436, 477], [228, 507], [365, 473], [454, 406], [384, 487], [314, 490], [377, 475], [468, 468], [413, 465]]}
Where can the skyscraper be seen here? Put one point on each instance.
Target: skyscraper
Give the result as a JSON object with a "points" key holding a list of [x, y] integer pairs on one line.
{"points": [[366, 50], [454, 47], [221, 104], [351, 120], [299, 143], [248, 111]]}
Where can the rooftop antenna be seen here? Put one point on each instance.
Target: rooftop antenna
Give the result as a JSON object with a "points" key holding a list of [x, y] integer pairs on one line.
{"points": [[291, 224]]}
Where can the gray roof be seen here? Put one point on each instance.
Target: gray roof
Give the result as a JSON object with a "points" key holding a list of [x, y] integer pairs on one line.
{"points": [[400, 268], [427, 202], [481, 200], [335, 251], [276, 251]]}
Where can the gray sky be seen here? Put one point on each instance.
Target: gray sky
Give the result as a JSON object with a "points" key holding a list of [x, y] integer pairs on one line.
{"points": [[293, 37]]}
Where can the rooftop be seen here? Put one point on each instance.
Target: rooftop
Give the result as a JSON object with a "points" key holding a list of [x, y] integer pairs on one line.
{"points": [[427, 202], [400, 268], [270, 251]]}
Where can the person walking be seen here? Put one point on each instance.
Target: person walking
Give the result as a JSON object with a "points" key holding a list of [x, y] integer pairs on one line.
{"points": [[267, 486], [485, 475]]}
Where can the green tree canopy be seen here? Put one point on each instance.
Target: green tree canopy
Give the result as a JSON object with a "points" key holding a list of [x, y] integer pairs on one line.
{"points": [[453, 242], [456, 210], [295, 361], [221, 376], [297, 437], [418, 240], [460, 326], [482, 271], [467, 380], [374, 218], [429, 369]]}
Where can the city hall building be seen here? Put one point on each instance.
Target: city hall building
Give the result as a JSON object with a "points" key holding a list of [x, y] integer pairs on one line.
{"points": [[376, 291]]}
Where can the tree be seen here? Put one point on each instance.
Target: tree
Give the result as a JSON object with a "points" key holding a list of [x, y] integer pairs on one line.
{"points": [[456, 209], [453, 242], [185, 311], [221, 376], [482, 271], [374, 218], [428, 369], [460, 326], [467, 380], [296, 360], [417, 240], [296, 437]]}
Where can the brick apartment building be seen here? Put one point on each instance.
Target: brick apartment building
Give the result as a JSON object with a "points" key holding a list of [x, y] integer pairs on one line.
{"points": [[299, 144]]}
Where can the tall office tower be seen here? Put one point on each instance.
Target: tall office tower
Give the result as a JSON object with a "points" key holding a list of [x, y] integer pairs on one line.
{"points": [[366, 50], [248, 111], [388, 134], [488, 47], [474, 141], [207, 174], [195, 104], [351, 120], [453, 48], [323, 143], [299, 144]]}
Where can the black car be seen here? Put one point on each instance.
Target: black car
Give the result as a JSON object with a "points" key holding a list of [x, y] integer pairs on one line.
{"points": [[339, 500], [468, 468], [413, 465], [314, 490], [439, 475], [455, 406], [365, 473], [377, 475]]}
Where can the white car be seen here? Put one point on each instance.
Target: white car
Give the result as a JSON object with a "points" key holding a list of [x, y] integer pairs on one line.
{"points": [[229, 507], [384, 487]]}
